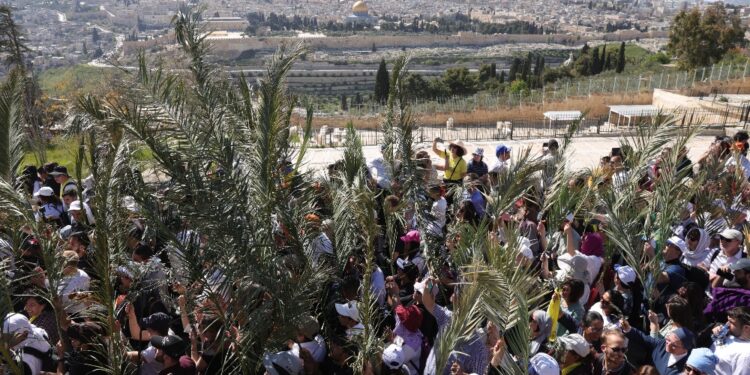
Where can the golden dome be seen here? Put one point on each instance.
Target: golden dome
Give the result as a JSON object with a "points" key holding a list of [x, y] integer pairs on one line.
{"points": [[359, 7]]}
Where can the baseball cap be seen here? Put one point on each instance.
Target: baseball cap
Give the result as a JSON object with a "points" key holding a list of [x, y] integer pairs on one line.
{"points": [[171, 345], [45, 191], [625, 273], [543, 364], [677, 242], [575, 343], [731, 234], [411, 236], [60, 171], [349, 310], [742, 264], [285, 360], [157, 321], [75, 206], [479, 151], [393, 357], [501, 149]]}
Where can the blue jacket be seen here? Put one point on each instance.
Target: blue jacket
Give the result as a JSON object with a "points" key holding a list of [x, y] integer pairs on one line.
{"points": [[659, 354]]}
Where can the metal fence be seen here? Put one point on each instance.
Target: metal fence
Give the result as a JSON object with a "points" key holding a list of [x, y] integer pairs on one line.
{"points": [[531, 128], [621, 84]]}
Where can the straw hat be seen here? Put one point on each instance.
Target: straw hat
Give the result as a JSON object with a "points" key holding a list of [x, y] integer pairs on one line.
{"points": [[459, 143]]}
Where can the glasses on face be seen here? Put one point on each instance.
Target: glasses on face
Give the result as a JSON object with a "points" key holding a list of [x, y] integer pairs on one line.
{"points": [[618, 350], [690, 370], [724, 239]]}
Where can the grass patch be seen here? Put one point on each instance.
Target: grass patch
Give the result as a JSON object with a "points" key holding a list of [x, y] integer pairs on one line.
{"points": [[72, 81], [60, 150]]}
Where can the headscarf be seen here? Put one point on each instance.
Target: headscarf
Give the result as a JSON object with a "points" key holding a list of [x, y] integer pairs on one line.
{"points": [[545, 327], [694, 257]]}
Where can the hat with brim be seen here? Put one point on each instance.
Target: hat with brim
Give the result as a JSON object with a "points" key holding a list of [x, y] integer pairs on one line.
{"points": [[45, 191], [348, 310], [460, 144], [677, 242], [59, 171], [742, 264], [171, 345], [731, 234], [285, 361]]}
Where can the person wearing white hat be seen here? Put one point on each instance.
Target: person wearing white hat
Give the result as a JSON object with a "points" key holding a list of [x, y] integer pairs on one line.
{"points": [[51, 208], [673, 274], [455, 167], [80, 213], [26, 340], [543, 364], [393, 360], [577, 358], [477, 164], [349, 318], [730, 244]]}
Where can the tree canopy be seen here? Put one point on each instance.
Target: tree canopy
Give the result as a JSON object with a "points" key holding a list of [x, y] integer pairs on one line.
{"points": [[700, 39]]}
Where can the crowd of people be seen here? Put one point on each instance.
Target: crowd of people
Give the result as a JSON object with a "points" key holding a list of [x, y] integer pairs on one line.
{"points": [[684, 308]]}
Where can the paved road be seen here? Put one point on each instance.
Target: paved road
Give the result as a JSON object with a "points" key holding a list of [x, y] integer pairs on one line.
{"points": [[584, 152]]}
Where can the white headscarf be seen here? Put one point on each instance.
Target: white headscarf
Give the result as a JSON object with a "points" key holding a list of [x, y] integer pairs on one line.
{"points": [[701, 252]]}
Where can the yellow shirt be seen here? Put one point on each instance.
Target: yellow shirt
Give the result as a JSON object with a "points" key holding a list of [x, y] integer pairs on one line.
{"points": [[456, 168]]}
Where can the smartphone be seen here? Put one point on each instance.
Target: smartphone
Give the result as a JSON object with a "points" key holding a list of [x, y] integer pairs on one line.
{"points": [[616, 151], [545, 145]]}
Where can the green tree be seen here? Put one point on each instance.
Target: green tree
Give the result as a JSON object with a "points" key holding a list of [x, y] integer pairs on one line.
{"points": [[382, 83], [460, 81], [515, 67], [621, 59], [95, 35], [344, 104], [595, 64], [485, 73], [493, 70], [700, 39], [502, 76], [519, 86], [602, 60], [84, 50]]}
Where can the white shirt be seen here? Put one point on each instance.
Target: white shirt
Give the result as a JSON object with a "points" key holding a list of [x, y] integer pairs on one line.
{"points": [[438, 213], [721, 261], [377, 285], [77, 282], [89, 214], [500, 166], [734, 357], [380, 171], [675, 358]]}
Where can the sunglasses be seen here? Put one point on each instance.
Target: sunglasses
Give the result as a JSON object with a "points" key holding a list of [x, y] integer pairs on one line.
{"points": [[691, 370], [619, 350], [724, 239]]}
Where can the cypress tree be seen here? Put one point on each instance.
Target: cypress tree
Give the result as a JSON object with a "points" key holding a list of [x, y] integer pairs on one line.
{"points": [[381, 83], [621, 59], [603, 59], [502, 76], [608, 62], [493, 70], [515, 66], [595, 61]]}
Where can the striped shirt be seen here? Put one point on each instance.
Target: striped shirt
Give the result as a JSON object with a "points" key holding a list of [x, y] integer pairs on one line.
{"points": [[473, 354]]}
